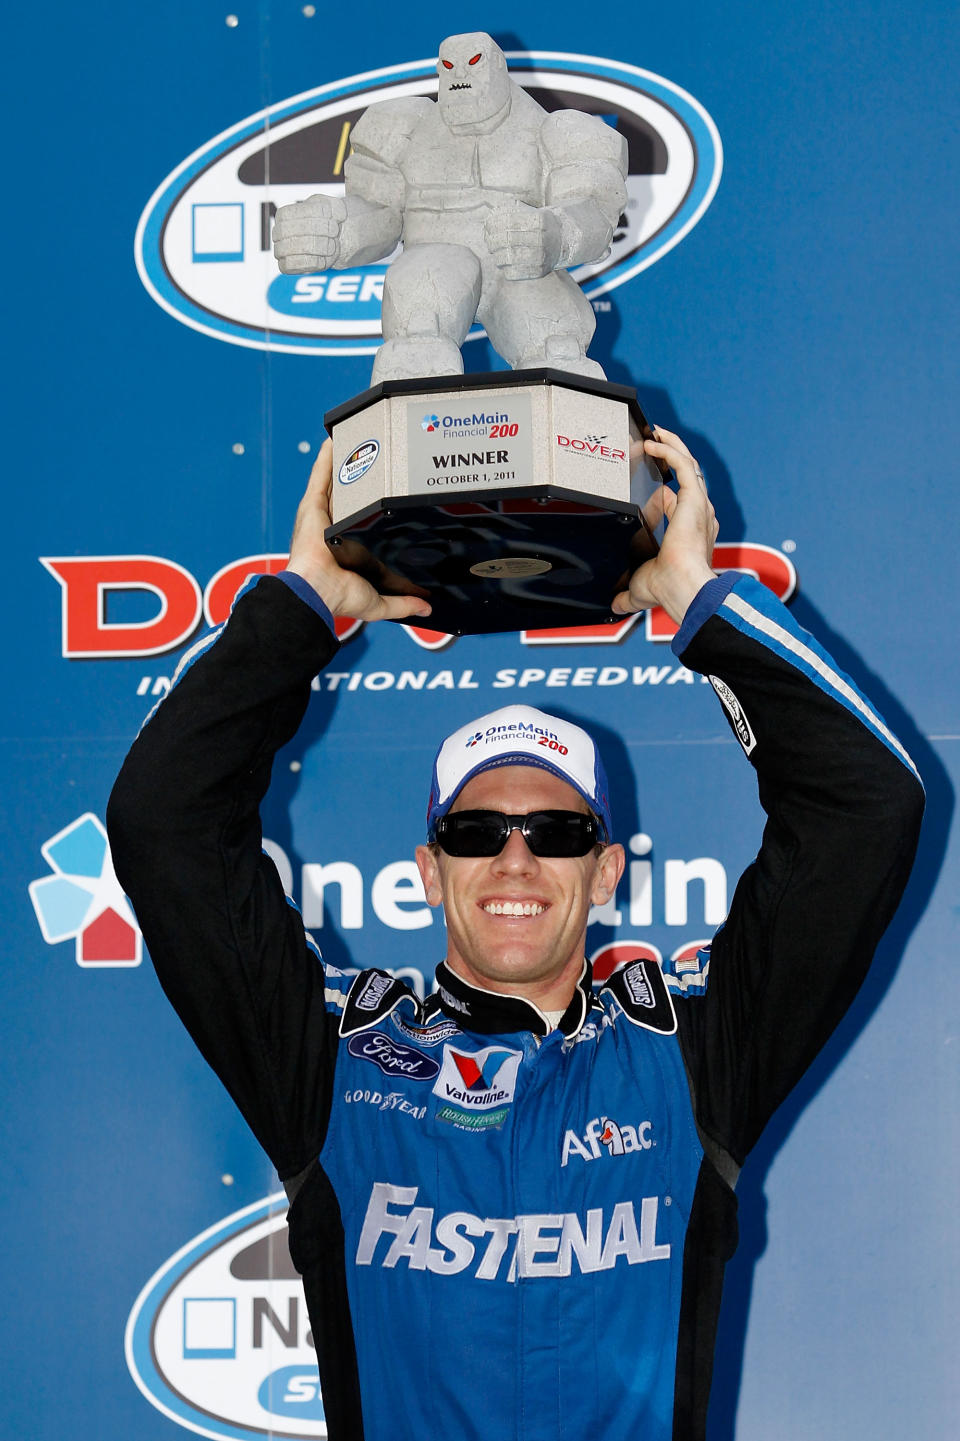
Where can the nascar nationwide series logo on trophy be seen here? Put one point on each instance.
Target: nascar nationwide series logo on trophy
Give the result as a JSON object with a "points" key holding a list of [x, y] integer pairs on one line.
{"points": [[512, 500]]}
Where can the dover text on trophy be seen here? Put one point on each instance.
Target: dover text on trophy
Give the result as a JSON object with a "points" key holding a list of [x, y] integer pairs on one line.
{"points": [[510, 499]]}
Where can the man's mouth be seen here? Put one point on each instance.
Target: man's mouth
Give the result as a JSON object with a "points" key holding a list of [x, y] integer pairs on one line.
{"points": [[513, 908]]}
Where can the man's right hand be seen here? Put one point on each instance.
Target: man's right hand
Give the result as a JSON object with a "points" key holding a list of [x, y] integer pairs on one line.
{"points": [[342, 591], [306, 234]]}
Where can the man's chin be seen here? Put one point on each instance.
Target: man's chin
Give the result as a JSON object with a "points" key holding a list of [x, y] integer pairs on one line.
{"points": [[507, 969]]}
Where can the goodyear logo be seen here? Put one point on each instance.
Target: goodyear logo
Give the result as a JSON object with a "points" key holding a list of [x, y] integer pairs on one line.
{"points": [[203, 244], [218, 1339]]}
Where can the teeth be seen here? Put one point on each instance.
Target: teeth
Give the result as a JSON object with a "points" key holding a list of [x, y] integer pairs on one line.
{"points": [[514, 908]]}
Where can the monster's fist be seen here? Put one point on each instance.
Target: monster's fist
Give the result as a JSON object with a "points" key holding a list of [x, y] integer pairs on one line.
{"points": [[306, 235], [524, 241]]}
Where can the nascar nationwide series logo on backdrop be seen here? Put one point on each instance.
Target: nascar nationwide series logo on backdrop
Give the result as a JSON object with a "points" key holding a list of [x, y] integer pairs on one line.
{"points": [[218, 1339], [203, 244]]}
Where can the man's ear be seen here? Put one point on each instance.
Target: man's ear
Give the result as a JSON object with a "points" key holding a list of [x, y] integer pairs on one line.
{"points": [[429, 867], [610, 864]]}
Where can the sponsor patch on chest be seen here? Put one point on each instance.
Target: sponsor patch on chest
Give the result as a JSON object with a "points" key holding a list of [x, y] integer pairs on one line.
{"points": [[392, 1057], [476, 1088]]}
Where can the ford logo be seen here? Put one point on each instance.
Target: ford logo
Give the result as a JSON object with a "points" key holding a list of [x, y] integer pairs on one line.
{"points": [[393, 1057], [203, 244]]}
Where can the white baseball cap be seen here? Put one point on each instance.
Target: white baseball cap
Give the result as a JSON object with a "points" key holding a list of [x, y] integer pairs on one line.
{"points": [[519, 735]]}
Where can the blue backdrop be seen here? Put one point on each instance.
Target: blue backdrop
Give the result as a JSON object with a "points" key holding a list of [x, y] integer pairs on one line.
{"points": [[794, 317]]}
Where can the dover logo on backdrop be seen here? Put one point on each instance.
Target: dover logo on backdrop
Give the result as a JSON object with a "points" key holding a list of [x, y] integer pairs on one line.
{"points": [[203, 244], [218, 1339]]}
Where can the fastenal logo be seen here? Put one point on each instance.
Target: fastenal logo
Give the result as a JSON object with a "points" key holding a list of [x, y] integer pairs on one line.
{"points": [[218, 1340], [203, 245], [82, 900]]}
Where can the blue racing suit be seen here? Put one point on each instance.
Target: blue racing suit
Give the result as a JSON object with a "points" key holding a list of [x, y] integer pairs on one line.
{"points": [[505, 1230]]}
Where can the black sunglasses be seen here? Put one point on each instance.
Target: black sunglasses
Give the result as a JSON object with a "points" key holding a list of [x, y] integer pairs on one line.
{"points": [[547, 833]]}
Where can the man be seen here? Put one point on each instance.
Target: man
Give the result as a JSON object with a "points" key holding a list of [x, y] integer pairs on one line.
{"points": [[530, 1242]]}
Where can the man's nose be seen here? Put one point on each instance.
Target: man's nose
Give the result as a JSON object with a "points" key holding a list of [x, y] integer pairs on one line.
{"points": [[516, 856]]}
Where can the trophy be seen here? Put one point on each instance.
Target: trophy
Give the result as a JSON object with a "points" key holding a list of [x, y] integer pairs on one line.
{"points": [[510, 499]]}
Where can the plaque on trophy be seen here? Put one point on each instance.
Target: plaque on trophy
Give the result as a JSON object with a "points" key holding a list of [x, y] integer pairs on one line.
{"points": [[512, 499]]}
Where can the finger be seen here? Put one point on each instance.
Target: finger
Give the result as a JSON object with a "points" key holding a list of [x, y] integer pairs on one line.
{"points": [[670, 437], [660, 506], [679, 459], [403, 607], [321, 472]]}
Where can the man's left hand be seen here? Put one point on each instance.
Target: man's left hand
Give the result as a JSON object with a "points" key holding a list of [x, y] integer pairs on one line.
{"points": [[683, 564]]}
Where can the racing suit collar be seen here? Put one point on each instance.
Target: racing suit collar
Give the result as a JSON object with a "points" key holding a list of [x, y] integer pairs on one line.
{"points": [[494, 1013]]}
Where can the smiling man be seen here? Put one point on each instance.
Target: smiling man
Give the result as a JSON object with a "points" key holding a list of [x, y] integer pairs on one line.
{"points": [[516, 900], [512, 1204]]}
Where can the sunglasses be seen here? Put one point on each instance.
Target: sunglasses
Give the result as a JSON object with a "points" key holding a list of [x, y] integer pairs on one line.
{"points": [[547, 833]]}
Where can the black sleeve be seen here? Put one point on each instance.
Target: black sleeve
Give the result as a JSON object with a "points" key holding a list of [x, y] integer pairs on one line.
{"points": [[184, 826], [843, 804]]}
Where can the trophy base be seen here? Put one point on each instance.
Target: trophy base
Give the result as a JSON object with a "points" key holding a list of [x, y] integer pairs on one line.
{"points": [[420, 507], [522, 559]]}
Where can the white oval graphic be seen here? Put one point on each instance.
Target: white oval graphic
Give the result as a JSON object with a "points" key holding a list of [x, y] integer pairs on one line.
{"points": [[358, 462], [203, 244], [218, 1339]]}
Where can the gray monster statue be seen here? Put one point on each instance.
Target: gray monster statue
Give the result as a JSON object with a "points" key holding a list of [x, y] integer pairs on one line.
{"points": [[493, 198]]}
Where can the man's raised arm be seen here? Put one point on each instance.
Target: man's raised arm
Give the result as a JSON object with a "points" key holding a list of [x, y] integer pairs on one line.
{"points": [[184, 828], [843, 803]]}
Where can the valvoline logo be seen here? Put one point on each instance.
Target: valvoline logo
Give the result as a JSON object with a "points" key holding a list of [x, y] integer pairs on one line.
{"points": [[479, 1076], [478, 1080], [204, 244], [218, 1339]]}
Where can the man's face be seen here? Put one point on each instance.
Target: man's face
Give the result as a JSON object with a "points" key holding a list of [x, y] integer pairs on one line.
{"points": [[474, 85], [539, 953]]}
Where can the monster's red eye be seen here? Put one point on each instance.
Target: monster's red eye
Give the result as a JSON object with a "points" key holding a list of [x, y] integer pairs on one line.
{"points": [[476, 58], [446, 64]]}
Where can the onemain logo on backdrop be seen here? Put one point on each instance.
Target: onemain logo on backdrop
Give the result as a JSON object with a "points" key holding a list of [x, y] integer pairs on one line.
{"points": [[203, 244], [218, 1339], [81, 900]]}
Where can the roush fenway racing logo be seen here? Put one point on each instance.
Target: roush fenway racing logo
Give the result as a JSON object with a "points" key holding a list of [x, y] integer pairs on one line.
{"points": [[90, 586]]}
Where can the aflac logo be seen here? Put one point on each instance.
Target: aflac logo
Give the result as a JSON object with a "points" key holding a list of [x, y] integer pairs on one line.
{"points": [[430, 422], [82, 900], [616, 1139], [218, 1339], [204, 247]]}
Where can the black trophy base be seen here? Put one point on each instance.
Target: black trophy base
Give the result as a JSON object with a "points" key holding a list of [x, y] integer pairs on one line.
{"points": [[494, 561]]}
